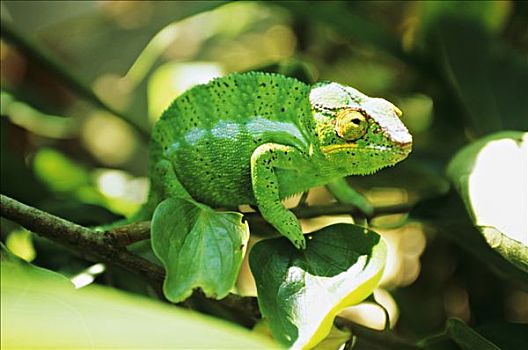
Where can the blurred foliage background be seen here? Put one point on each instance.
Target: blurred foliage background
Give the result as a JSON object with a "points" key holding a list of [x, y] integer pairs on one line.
{"points": [[83, 82]]}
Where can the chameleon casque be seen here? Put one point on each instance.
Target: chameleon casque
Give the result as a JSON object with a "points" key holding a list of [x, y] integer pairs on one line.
{"points": [[257, 138]]}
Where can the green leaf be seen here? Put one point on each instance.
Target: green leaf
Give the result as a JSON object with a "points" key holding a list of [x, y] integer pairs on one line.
{"points": [[505, 335], [301, 291], [351, 20], [20, 242], [466, 337], [41, 309], [488, 78], [25, 272], [460, 333], [491, 15], [58, 172], [198, 247], [490, 176]]}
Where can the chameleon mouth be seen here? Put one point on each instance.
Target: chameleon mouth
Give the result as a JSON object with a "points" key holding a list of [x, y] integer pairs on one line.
{"points": [[335, 148], [402, 149]]}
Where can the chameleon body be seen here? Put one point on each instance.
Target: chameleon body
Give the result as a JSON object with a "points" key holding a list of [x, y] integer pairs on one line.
{"points": [[257, 138]]}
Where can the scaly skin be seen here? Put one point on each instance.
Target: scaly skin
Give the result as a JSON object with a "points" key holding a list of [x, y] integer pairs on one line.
{"points": [[257, 138]]}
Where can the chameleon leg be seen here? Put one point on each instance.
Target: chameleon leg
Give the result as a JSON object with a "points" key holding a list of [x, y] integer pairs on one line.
{"points": [[167, 183], [342, 191], [265, 159]]}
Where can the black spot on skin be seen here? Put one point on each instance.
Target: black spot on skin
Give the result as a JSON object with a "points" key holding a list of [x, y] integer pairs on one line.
{"points": [[282, 109]]}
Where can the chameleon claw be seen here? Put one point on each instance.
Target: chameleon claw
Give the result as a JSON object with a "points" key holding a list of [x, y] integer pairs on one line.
{"points": [[300, 244]]}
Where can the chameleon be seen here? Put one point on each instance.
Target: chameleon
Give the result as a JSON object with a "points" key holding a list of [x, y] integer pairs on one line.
{"points": [[257, 138]]}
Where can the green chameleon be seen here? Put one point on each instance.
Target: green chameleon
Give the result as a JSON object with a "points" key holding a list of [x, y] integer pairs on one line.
{"points": [[257, 138]]}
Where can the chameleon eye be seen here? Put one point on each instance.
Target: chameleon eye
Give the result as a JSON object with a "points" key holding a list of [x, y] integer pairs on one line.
{"points": [[350, 125]]}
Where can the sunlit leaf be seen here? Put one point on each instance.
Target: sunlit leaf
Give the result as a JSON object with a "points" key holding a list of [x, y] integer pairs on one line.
{"points": [[198, 247], [35, 121], [20, 243], [58, 172], [301, 291], [334, 340], [491, 177], [172, 79], [41, 309], [123, 193], [24, 274], [109, 139]]}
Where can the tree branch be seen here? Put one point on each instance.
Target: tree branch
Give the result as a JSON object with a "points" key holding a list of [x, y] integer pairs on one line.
{"points": [[90, 243], [339, 209], [109, 247], [105, 246], [124, 235], [138, 231]]}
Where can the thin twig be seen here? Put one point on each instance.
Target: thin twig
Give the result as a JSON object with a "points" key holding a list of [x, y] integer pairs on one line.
{"points": [[339, 209], [138, 231], [30, 50]]}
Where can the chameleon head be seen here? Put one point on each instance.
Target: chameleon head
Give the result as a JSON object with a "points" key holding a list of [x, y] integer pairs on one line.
{"points": [[357, 133]]}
